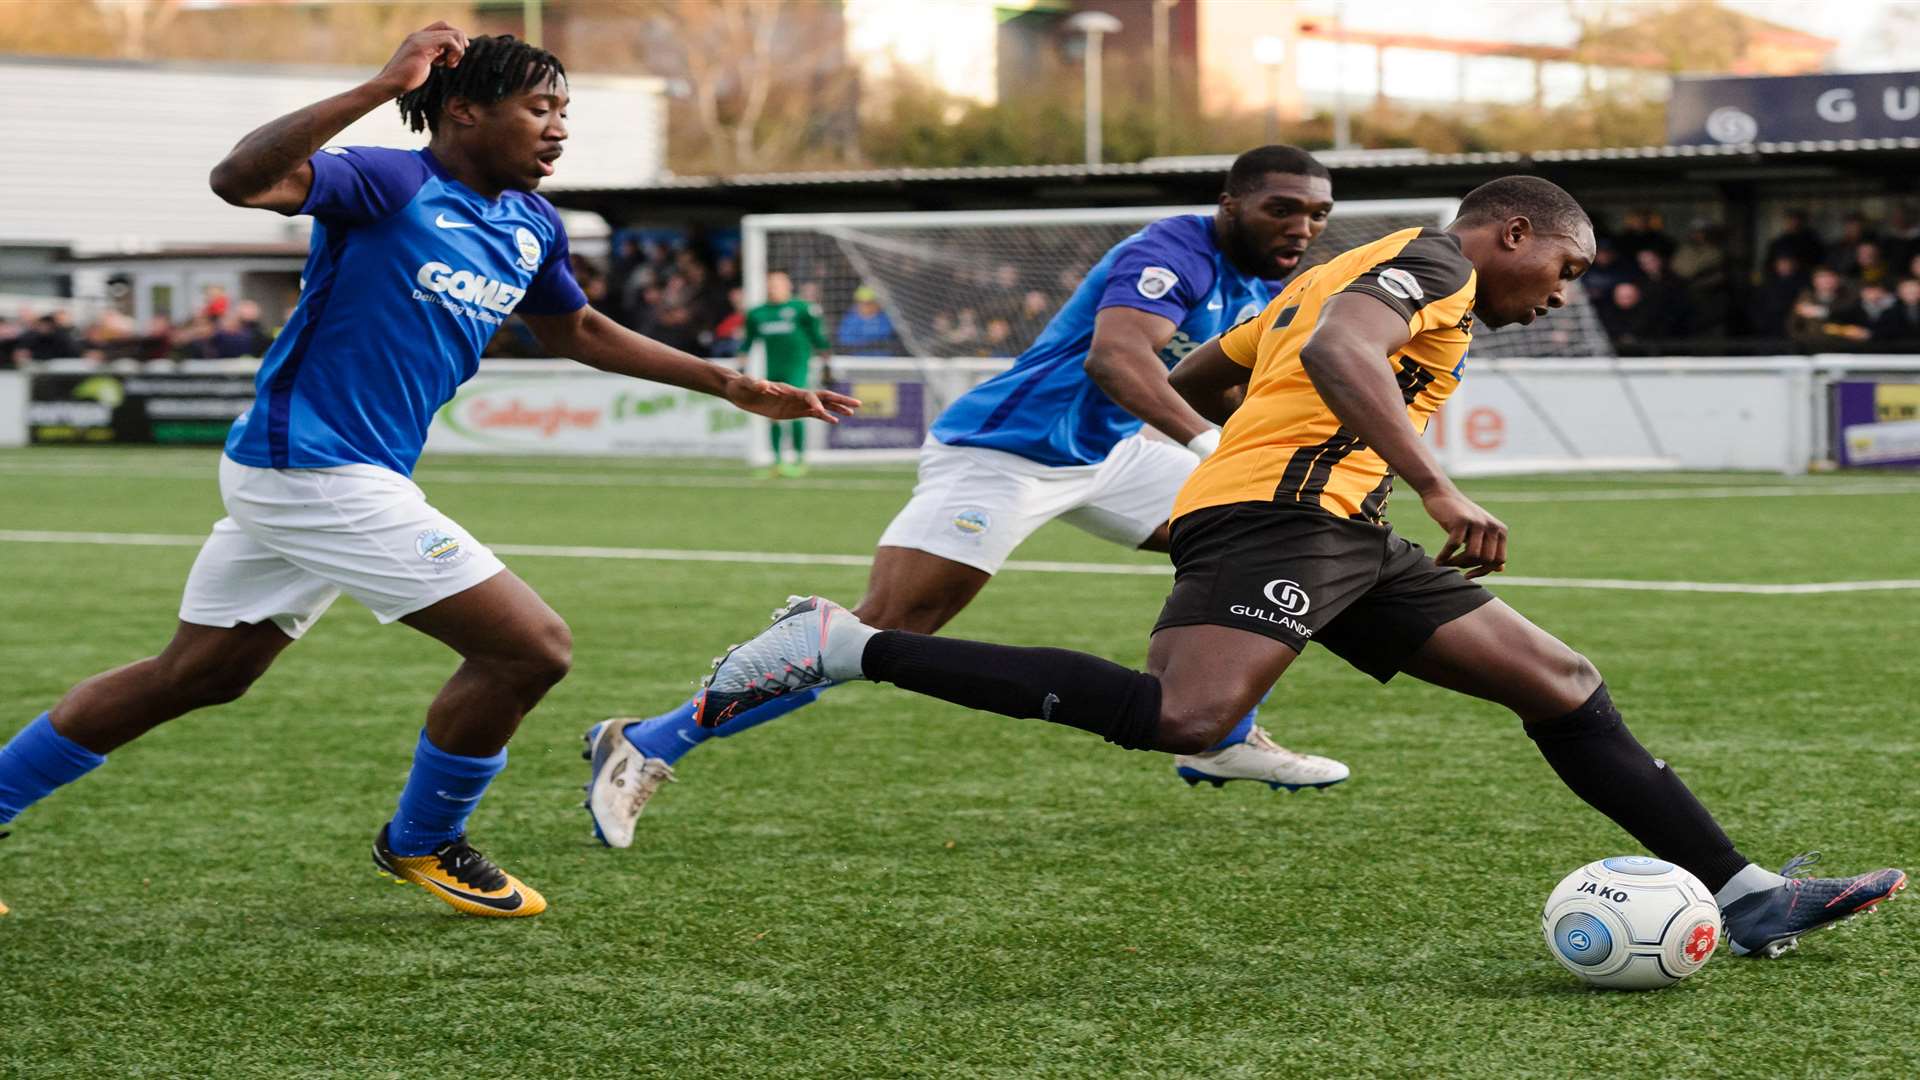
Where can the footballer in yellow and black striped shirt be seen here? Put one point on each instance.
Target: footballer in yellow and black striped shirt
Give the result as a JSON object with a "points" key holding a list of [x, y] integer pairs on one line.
{"points": [[1285, 443], [1323, 398]]}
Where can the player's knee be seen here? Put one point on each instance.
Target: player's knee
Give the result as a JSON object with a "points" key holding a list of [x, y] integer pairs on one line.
{"points": [[1570, 680], [548, 656], [1579, 681], [214, 681], [1580, 673]]}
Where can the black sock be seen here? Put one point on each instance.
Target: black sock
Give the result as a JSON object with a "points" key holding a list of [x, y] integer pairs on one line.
{"points": [[1119, 704], [1604, 764]]}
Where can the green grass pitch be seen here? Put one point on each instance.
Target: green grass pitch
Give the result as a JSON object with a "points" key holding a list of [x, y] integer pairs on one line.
{"points": [[889, 886]]}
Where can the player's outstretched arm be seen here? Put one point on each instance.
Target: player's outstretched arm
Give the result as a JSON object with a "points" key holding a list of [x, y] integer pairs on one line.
{"points": [[593, 339], [1211, 382], [1346, 359], [1124, 360], [269, 169]]}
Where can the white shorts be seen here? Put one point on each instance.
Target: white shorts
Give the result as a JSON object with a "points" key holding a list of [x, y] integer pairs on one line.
{"points": [[294, 539], [974, 505]]}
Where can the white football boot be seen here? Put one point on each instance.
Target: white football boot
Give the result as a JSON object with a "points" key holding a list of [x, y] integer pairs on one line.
{"points": [[623, 780], [791, 655], [1260, 759]]}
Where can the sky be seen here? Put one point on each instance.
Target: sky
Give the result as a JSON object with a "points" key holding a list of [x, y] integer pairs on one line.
{"points": [[1873, 34]]}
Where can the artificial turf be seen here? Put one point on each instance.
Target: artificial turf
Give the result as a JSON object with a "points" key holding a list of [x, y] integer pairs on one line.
{"points": [[883, 885]]}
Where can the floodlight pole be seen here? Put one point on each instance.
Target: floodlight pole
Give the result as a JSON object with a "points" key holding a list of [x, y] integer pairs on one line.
{"points": [[1093, 24]]}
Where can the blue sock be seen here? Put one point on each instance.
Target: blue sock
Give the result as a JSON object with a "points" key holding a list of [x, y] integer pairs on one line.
{"points": [[36, 761], [1239, 733], [671, 734], [441, 791]]}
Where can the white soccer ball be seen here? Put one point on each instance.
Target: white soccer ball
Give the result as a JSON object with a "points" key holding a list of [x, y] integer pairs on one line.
{"points": [[1631, 923]]}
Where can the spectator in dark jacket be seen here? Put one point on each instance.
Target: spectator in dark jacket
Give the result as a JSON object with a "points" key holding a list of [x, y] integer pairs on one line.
{"points": [[231, 337], [1874, 300], [1701, 264], [1773, 299], [49, 337], [1607, 271], [1663, 295], [1901, 322], [1798, 242], [1628, 319], [1642, 230], [1854, 231]]}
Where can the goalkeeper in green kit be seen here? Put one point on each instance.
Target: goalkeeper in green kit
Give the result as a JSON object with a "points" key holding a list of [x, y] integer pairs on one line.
{"points": [[790, 332]]}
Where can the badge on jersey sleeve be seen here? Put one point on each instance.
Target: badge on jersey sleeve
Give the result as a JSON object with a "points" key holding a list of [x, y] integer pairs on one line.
{"points": [[1156, 281], [1400, 283]]}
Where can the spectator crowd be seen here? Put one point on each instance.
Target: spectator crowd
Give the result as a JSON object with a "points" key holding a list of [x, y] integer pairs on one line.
{"points": [[1856, 289], [222, 328]]}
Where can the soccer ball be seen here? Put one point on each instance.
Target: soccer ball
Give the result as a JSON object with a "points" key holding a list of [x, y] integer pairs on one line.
{"points": [[1631, 923]]}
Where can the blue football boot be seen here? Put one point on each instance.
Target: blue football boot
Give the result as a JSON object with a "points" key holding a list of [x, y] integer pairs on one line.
{"points": [[1769, 922]]}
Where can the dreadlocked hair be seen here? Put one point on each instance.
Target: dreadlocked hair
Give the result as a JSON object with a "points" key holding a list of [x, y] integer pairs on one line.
{"points": [[493, 69]]}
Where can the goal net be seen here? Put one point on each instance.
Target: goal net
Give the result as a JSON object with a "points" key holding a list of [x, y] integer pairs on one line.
{"points": [[922, 306]]}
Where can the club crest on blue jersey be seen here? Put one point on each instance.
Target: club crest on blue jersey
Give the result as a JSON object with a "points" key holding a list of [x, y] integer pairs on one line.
{"points": [[529, 248]]}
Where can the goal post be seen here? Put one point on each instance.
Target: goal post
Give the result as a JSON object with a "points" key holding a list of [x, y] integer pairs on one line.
{"points": [[964, 292]]}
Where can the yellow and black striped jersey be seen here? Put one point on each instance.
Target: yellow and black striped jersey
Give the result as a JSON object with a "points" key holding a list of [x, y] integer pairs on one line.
{"points": [[1283, 444]]}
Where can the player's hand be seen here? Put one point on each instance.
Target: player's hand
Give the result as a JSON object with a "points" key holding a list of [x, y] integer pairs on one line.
{"points": [[439, 45], [1476, 540], [778, 401]]}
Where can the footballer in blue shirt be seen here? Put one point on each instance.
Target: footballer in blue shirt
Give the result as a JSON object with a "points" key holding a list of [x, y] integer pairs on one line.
{"points": [[417, 258], [1059, 436]]}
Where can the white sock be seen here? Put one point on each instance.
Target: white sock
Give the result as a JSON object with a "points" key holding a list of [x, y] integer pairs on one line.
{"points": [[1750, 880], [846, 643]]}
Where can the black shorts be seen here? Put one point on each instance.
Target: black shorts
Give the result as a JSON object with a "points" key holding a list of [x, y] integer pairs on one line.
{"points": [[1299, 574]]}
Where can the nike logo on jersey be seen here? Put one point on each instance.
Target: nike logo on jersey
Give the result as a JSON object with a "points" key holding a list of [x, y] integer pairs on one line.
{"points": [[1215, 306], [441, 220]]}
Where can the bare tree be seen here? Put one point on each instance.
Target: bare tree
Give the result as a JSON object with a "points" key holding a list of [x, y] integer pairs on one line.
{"points": [[137, 22], [762, 83]]}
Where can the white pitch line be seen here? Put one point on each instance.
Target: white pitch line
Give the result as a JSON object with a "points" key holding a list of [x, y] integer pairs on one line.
{"points": [[795, 558], [1683, 494], [512, 479], [529, 478], [1745, 588]]}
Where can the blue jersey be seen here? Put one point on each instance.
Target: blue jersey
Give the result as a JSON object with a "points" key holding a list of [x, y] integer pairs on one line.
{"points": [[408, 275], [1046, 408]]}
